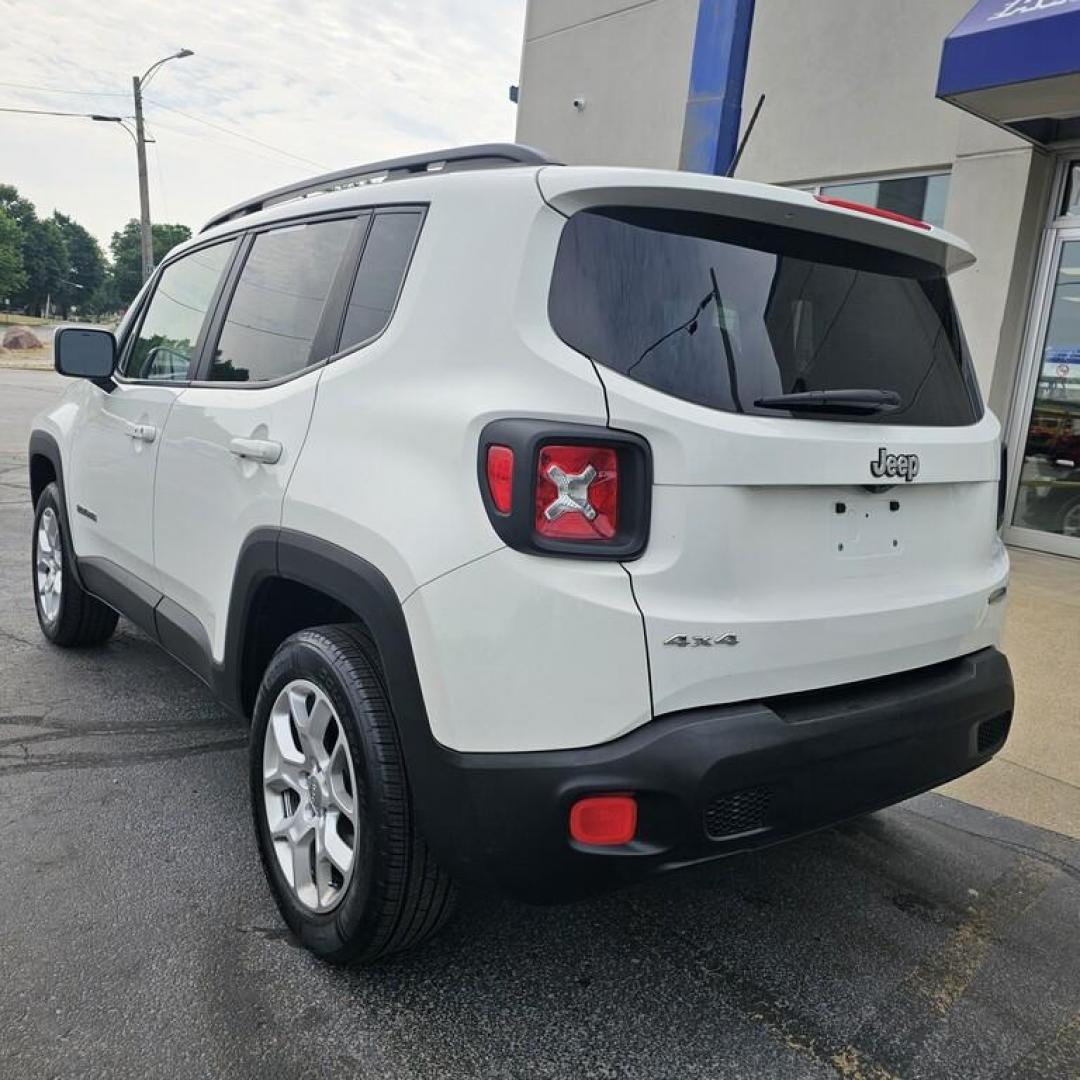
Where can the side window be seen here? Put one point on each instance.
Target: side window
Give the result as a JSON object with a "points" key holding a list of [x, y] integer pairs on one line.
{"points": [[379, 277], [164, 347], [278, 302]]}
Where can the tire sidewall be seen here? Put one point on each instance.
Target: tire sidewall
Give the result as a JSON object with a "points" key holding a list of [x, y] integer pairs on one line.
{"points": [[353, 925], [50, 499], [1064, 510]]}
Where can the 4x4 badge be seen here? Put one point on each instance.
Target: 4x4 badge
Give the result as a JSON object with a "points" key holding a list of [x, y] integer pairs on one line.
{"points": [[905, 465], [695, 641]]}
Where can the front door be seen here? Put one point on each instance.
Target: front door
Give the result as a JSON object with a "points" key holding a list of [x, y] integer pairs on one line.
{"points": [[1046, 504], [115, 441]]}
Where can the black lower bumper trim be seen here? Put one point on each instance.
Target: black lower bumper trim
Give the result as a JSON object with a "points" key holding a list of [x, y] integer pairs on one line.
{"points": [[715, 781]]}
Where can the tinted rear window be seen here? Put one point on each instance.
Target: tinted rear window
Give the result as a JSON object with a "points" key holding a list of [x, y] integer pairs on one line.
{"points": [[724, 312]]}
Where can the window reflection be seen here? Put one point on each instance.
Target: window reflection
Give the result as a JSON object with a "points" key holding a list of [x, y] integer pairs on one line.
{"points": [[1049, 494], [278, 302], [164, 347]]}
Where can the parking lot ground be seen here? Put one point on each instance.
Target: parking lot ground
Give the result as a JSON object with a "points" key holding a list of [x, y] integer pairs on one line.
{"points": [[137, 937]]}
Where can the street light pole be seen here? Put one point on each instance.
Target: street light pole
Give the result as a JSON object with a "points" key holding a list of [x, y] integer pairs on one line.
{"points": [[144, 185], [145, 230]]}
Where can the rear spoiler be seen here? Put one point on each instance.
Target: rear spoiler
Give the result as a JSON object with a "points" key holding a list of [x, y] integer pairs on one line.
{"points": [[572, 188]]}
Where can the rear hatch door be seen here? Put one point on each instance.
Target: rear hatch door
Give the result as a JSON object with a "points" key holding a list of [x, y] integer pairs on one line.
{"points": [[793, 545]]}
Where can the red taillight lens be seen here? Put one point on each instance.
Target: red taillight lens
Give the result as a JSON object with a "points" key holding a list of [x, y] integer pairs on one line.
{"points": [[500, 477], [604, 820], [874, 211], [577, 492]]}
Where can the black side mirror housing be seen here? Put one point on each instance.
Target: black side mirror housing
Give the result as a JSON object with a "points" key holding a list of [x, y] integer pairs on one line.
{"points": [[84, 352]]}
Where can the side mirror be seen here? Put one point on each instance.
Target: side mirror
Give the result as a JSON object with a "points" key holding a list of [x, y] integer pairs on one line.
{"points": [[84, 353]]}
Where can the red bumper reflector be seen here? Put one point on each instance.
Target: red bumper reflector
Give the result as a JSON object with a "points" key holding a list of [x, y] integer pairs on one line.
{"points": [[604, 820], [875, 211], [500, 477]]}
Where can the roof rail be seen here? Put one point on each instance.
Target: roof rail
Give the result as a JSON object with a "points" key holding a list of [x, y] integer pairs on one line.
{"points": [[482, 156]]}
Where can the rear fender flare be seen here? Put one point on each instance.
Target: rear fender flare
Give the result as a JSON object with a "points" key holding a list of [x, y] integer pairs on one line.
{"points": [[365, 590]]}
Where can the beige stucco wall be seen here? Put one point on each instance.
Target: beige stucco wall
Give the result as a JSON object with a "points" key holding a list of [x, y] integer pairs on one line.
{"points": [[629, 60], [849, 88], [997, 202]]}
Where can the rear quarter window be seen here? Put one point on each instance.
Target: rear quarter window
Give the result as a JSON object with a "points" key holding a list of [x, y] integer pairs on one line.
{"points": [[723, 313], [380, 275]]}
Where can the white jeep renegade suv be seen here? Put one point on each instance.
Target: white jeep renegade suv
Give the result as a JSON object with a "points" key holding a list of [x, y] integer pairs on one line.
{"points": [[554, 526]]}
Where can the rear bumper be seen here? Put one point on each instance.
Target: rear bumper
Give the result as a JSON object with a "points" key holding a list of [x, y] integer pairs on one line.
{"points": [[712, 782]]}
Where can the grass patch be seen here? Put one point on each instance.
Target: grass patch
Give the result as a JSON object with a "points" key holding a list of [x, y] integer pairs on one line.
{"points": [[36, 359]]}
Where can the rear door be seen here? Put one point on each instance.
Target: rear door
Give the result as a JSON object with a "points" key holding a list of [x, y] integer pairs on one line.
{"points": [[233, 436], [792, 546]]}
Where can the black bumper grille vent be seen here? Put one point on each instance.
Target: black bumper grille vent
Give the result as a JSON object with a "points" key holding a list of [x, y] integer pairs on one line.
{"points": [[738, 812], [993, 732]]}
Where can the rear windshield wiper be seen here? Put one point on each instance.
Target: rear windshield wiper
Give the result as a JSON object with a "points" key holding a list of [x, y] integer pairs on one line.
{"points": [[840, 401]]}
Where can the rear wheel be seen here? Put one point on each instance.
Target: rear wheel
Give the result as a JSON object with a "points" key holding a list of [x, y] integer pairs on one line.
{"points": [[1070, 518], [68, 615], [350, 873]]}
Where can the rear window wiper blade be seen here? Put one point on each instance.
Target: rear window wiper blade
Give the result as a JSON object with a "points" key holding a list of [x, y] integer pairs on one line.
{"points": [[849, 401]]}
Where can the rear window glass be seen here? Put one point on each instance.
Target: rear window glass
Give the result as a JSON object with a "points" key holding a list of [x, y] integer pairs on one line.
{"points": [[725, 313]]}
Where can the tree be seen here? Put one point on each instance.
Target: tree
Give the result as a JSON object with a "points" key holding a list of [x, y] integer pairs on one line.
{"points": [[15, 206], [12, 274], [86, 267], [45, 258], [126, 248], [43, 249]]}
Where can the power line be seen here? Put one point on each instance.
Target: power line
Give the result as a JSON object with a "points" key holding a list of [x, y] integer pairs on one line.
{"points": [[199, 136], [58, 90], [236, 134], [49, 112], [156, 104]]}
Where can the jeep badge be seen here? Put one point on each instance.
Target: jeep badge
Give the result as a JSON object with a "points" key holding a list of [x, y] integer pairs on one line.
{"points": [[905, 465]]}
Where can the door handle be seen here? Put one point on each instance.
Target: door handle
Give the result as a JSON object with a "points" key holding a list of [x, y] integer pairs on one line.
{"points": [[265, 451], [143, 432]]}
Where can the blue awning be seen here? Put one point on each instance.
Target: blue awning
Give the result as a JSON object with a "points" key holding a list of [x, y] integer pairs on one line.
{"points": [[1017, 64]]}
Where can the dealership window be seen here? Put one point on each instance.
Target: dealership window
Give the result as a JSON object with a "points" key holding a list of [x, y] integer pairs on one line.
{"points": [[919, 196], [1071, 203]]}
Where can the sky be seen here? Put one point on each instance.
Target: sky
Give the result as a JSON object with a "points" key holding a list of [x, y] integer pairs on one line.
{"points": [[310, 85]]}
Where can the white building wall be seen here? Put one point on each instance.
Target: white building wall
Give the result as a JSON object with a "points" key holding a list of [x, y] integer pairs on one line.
{"points": [[630, 62], [849, 88]]}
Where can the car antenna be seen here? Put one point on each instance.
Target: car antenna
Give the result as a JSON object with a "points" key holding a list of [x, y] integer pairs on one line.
{"points": [[746, 138]]}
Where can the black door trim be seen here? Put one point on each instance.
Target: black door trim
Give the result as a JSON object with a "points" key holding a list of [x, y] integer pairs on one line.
{"points": [[122, 590]]}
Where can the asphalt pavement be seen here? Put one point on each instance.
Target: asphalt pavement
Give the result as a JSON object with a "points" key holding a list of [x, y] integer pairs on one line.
{"points": [[138, 939]]}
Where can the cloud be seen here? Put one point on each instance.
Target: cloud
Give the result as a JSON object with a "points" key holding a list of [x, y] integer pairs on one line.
{"points": [[332, 82]]}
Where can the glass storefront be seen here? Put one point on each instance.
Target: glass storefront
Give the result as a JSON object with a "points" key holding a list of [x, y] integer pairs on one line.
{"points": [[1048, 490]]}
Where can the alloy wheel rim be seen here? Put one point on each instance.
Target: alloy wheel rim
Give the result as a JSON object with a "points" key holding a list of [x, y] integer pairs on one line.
{"points": [[309, 795], [1070, 523], [49, 565]]}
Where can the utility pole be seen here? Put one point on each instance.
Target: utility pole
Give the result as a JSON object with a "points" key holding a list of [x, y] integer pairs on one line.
{"points": [[144, 184], [146, 232]]}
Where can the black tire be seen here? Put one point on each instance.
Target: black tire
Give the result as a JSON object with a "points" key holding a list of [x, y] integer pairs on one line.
{"points": [[81, 620], [1066, 516], [397, 895]]}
